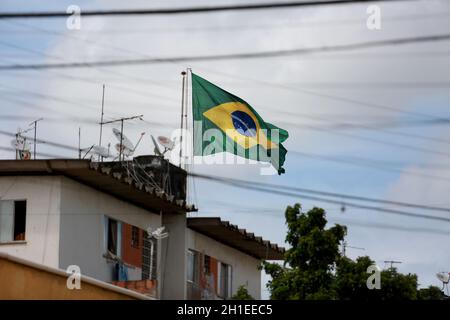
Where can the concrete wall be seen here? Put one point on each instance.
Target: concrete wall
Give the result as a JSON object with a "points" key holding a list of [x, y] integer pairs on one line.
{"points": [[244, 267], [25, 280], [83, 232], [42, 218], [173, 257]]}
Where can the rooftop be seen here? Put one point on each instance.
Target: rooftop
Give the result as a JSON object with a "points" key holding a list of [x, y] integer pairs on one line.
{"points": [[240, 239], [107, 177]]}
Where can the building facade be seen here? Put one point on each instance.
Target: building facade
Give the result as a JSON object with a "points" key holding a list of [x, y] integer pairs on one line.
{"points": [[125, 225]]}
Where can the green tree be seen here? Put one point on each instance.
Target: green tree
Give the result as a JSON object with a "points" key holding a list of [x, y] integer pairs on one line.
{"points": [[315, 269], [430, 293], [311, 258], [350, 282], [242, 294]]}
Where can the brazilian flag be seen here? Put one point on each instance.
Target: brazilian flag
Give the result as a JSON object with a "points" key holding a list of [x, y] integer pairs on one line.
{"points": [[242, 131]]}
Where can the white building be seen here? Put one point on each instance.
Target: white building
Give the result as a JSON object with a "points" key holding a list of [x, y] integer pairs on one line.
{"points": [[104, 217]]}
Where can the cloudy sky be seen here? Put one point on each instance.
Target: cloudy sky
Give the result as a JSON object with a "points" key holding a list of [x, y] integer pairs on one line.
{"points": [[361, 122]]}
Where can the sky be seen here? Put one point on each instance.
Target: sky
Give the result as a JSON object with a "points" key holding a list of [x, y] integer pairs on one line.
{"points": [[358, 120]]}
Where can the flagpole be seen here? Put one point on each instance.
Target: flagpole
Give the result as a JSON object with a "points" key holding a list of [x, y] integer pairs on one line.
{"points": [[183, 74], [186, 110]]}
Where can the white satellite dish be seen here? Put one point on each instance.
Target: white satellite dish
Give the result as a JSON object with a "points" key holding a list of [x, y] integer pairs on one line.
{"points": [[101, 151], [166, 142], [97, 150], [125, 151], [126, 143], [443, 277], [156, 150]]}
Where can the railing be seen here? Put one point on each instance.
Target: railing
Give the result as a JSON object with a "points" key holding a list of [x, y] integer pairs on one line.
{"points": [[195, 292]]}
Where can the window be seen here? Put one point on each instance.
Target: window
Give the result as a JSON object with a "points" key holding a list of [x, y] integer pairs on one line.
{"points": [[135, 237], [12, 220], [149, 257], [207, 265], [224, 283], [193, 267], [112, 236]]}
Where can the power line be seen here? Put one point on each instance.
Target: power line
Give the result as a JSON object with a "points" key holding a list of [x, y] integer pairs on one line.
{"points": [[241, 27], [280, 191], [48, 155], [322, 193], [249, 55], [55, 144], [186, 10], [374, 164]]}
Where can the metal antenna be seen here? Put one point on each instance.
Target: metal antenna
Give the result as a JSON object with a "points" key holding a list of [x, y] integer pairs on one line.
{"points": [[35, 133], [121, 130], [101, 120], [392, 262], [79, 142], [345, 246]]}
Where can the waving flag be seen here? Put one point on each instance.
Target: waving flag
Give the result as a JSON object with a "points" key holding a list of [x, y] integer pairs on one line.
{"points": [[243, 131]]}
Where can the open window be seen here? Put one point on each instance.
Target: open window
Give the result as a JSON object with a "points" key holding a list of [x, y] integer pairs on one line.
{"points": [[193, 267], [113, 234], [135, 238], [12, 220], [224, 281]]}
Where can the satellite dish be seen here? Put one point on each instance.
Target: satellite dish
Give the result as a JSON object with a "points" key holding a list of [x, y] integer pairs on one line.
{"points": [[125, 151], [126, 143], [101, 151], [443, 277], [166, 143], [156, 150]]}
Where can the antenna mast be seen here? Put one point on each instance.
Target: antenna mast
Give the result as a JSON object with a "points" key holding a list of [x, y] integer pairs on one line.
{"points": [[101, 118], [35, 134], [345, 246], [392, 262], [121, 130]]}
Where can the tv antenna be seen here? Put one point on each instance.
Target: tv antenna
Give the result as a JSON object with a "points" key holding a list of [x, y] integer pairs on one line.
{"points": [[345, 246], [392, 262], [35, 122], [124, 143], [444, 277], [101, 118]]}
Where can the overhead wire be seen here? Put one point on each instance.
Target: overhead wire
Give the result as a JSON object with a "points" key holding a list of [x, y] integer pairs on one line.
{"points": [[231, 56], [189, 10]]}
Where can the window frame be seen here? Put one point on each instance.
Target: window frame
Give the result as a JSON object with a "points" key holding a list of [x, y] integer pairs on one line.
{"points": [[13, 235]]}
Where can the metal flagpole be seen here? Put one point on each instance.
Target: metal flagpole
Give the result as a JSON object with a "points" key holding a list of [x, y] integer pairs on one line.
{"points": [[186, 108], [183, 73]]}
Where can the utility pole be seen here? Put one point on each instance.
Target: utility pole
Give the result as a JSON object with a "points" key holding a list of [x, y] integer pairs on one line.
{"points": [[345, 246], [35, 135], [121, 130], [392, 262]]}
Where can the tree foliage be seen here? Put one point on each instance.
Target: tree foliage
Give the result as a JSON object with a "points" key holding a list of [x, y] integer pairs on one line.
{"points": [[242, 294], [314, 268]]}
